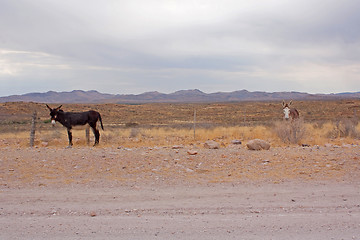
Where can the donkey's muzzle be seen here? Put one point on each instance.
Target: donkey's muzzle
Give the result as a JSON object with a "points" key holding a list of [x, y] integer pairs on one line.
{"points": [[53, 122]]}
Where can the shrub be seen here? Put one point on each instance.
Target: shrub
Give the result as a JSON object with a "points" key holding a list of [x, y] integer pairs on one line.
{"points": [[290, 131], [345, 128], [134, 132]]}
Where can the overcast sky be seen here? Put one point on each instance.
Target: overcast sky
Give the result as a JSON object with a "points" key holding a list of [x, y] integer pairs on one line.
{"points": [[135, 46]]}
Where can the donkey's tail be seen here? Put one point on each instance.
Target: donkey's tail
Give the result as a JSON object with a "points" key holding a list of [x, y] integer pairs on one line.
{"points": [[101, 122]]}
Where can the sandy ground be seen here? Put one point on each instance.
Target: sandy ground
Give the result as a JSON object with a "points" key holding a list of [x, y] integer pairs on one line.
{"points": [[165, 193]]}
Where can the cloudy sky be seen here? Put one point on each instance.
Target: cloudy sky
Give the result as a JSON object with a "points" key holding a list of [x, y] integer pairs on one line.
{"points": [[135, 46]]}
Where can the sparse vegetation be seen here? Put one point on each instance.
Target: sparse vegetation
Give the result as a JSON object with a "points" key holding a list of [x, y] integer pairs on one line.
{"points": [[347, 128], [156, 148], [279, 134], [292, 132], [168, 124]]}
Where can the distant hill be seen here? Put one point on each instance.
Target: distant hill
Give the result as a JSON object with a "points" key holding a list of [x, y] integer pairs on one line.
{"points": [[182, 96], [76, 96]]}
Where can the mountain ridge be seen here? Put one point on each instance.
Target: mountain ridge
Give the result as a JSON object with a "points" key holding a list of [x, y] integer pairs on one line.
{"points": [[181, 96]]}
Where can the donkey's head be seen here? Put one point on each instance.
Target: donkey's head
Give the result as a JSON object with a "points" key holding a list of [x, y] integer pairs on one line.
{"points": [[54, 112], [286, 109]]}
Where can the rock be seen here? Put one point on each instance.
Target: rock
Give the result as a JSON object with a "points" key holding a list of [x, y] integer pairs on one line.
{"points": [[236, 141], [192, 152], [211, 145], [258, 144], [44, 144], [93, 214], [177, 146]]}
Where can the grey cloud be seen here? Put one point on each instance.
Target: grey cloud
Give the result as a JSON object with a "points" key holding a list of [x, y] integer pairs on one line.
{"points": [[206, 45]]}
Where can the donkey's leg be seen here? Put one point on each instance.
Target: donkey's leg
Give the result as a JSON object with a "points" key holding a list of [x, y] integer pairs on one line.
{"points": [[70, 137], [96, 133]]}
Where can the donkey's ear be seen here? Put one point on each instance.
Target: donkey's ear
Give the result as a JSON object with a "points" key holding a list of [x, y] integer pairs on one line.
{"points": [[283, 103], [48, 107], [58, 108], [290, 102]]}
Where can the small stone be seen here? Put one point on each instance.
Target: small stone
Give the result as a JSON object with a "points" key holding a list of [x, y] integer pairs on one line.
{"points": [[177, 146], [211, 145], [258, 144], [92, 214], [192, 152], [238, 142]]}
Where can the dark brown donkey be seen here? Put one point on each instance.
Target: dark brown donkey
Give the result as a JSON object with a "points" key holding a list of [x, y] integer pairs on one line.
{"points": [[71, 119], [289, 112]]}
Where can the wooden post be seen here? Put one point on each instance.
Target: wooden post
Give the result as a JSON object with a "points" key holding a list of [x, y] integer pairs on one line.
{"points": [[32, 131], [87, 135], [244, 118], [194, 122]]}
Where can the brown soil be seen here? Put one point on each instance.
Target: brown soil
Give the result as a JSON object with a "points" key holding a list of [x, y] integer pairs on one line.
{"points": [[165, 193]]}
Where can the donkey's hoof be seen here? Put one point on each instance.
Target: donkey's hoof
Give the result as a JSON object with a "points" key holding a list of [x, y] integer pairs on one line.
{"points": [[69, 146]]}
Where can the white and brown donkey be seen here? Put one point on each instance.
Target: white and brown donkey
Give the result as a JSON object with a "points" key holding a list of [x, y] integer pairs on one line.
{"points": [[289, 112]]}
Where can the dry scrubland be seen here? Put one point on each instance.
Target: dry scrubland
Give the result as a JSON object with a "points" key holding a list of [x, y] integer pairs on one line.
{"points": [[333, 122], [150, 178], [157, 141]]}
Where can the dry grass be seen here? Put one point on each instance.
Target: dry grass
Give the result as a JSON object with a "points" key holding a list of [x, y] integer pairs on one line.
{"points": [[172, 124], [292, 132], [208, 114], [279, 134]]}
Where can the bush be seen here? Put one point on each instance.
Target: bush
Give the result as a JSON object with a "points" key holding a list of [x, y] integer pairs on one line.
{"points": [[345, 128], [290, 131], [134, 132]]}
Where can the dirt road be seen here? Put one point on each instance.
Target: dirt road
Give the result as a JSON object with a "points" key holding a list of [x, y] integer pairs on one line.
{"points": [[219, 211], [165, 193]]}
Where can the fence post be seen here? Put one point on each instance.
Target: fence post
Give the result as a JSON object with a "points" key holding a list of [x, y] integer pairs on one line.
{"points": [[244, 120], [194, 122], [87, 135], [32, 131]]}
